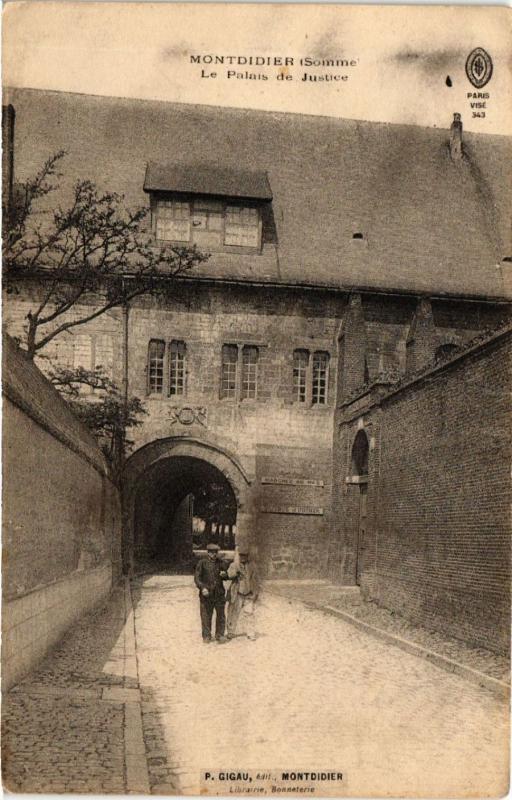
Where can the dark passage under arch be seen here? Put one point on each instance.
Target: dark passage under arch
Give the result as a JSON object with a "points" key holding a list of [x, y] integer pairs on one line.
{"points": [[180, 503]]}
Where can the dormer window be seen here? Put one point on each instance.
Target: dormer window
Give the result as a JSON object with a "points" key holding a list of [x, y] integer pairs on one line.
{"points": [[208, 223], [212, 208]]}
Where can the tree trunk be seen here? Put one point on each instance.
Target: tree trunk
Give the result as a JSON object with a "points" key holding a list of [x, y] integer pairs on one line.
{"points": [[31, 335], [117, 453], [207, 532]]}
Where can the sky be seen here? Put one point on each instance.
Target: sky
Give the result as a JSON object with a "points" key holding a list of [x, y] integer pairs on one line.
{"points": [[408, 62]]}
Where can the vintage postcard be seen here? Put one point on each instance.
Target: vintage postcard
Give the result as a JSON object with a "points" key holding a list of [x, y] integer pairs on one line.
{"points": [[257, 268]]}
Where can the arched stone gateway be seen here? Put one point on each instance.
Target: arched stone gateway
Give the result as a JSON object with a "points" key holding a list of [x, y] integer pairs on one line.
{"points": [[160, 479]]}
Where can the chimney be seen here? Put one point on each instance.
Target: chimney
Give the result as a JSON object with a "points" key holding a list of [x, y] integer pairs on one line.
{"points": [[8, 117], [456, 138]]}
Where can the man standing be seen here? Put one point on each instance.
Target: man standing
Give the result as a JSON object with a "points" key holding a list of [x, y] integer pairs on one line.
{"points": [[208, 577], [244, 591]]}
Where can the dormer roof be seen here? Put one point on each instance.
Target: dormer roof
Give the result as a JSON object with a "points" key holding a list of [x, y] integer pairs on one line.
{"points": [[207, 180]]}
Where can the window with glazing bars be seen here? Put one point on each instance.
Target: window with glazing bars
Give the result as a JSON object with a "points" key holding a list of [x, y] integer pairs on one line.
{"points": [[177, 360], [242, 226], [300, 375], [320, 378], [156, 353], [250, 357], [228, 375], [172, 221]]}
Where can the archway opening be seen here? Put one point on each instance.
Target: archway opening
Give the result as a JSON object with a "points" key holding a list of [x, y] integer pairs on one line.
{"points": [[359, 466], [181, 504], [360, 455]]}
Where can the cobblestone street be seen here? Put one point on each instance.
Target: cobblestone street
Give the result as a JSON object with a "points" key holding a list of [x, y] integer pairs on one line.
{"points": [[311, 692], [59, 734]]}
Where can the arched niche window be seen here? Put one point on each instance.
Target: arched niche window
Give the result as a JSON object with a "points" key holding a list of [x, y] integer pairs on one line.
{"points": [[360, 450], [446, 350]]}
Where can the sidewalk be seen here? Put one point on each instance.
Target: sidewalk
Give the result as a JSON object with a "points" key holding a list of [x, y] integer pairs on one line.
{"points": [[474, 663], [74, 724]]}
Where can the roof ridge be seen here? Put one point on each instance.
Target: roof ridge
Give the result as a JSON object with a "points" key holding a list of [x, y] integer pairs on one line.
{"points": [[245, 110]]}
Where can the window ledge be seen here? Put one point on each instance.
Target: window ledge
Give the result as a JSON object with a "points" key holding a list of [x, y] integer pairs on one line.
{"points": [[245, 402], [310, 407], [175, 398]]}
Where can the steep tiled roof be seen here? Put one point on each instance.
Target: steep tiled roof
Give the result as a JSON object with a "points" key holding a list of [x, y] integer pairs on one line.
{"points": [[428, 224]]}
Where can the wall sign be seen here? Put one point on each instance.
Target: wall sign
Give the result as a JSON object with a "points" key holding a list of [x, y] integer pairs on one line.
{"points": [[302, 510], [283, 481]]}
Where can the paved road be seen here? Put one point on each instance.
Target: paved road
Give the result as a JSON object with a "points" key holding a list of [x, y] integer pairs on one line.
{"points": [[310, 692]]}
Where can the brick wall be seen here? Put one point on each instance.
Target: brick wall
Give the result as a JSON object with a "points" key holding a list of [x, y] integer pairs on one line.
{"points": [[438, 528], [61, 517]]}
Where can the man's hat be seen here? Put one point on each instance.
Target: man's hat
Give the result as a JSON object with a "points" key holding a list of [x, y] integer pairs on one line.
{"points": [[213, 547], [244, 551]]}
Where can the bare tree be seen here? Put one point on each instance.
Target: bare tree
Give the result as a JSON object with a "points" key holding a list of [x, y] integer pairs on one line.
{"points": [[101, 406], [90, 257]]}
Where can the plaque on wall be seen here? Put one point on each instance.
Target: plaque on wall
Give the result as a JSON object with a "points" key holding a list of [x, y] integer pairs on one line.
{"points": [[282, 480], [300, 510]]}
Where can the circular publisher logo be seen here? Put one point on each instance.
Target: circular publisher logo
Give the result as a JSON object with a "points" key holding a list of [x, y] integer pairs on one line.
{"points": [[479, 67]]}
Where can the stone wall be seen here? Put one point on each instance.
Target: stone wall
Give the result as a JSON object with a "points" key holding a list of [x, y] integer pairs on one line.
{"points": [[294, 497], [61, 517], [271, 435], [437, 540]]}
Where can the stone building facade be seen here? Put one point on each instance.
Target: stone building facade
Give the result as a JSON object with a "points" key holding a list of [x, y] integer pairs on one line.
{"points": [[343, 254]]}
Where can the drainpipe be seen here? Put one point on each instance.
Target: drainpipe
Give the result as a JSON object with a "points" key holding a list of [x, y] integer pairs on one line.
{"points": [[127, 544], [126, 310]]}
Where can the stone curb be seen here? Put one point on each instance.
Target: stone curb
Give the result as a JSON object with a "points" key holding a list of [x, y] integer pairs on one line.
{"points": [[137, 773], [494, 685]]}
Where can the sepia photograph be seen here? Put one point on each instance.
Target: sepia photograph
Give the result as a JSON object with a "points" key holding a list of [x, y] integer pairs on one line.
{"points": [[257, 339]]}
